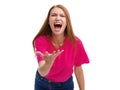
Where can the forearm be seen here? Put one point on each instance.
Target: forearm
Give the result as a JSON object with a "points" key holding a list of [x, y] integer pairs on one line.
{"points": [[47, 62], [44, 67], [80, 78]]}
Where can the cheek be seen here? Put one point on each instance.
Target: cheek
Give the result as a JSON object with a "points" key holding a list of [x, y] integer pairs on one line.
{"points": [[50, 22], [64, 22]]}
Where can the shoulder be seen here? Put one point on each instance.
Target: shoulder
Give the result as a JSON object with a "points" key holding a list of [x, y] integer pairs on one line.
{"points": [[78, 40], [41, 39]]}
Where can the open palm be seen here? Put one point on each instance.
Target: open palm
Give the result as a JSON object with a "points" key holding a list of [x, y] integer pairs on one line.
{"points": [[48, 57]]}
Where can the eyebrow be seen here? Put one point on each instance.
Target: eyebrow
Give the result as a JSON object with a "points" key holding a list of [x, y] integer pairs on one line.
{"points": [[56, 13]]}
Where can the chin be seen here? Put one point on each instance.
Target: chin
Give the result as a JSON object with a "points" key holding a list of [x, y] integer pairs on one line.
{"points": [[58, 33]]}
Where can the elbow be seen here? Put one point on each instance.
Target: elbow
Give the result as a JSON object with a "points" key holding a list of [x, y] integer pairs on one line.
{"points": [[78, 70]]}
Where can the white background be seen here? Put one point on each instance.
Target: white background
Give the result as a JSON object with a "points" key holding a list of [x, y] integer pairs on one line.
{"points": [[96, 22]]}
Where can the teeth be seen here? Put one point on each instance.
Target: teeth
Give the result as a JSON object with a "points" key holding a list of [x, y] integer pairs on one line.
{"points": [[57, 25]]}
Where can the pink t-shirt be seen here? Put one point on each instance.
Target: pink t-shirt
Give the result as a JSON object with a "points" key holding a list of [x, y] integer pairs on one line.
{"points": [[62, 67]]}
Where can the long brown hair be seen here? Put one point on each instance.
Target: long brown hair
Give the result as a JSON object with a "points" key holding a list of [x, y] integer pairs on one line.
{"points": [[46, 30]]}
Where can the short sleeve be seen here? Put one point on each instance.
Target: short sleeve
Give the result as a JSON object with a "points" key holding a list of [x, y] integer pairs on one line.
{"points": [[81, 56], [40, 45]]}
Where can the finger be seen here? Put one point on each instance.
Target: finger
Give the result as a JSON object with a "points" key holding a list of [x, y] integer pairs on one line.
{"points": [[54, 52], [39, 53], [59, 52], [46, 53]]}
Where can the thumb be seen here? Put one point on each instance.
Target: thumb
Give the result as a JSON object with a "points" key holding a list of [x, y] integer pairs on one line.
{"points": [[39, 53]]}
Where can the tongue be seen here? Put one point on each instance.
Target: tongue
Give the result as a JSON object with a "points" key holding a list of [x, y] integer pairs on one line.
{"points": [[57, 29]]}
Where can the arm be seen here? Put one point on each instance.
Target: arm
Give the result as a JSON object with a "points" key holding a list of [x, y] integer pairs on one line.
{"points": [[44, 67], [80, 77], [47, 62]]}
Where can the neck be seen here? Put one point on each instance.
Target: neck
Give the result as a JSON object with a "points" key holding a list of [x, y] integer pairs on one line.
{"points": [[59, 39]]}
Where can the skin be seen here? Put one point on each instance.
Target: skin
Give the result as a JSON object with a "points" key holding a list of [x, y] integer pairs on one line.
{"points": [[57, 16], [80, 77]]}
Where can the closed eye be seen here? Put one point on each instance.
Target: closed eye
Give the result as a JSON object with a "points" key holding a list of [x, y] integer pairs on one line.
{"points": [[53, 14], [62, 15]]}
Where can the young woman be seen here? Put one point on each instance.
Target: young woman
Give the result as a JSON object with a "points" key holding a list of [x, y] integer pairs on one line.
{"points": [[59, 52]]}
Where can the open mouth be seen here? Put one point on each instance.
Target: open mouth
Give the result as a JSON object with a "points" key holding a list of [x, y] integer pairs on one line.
{"points": [[57, 25]]}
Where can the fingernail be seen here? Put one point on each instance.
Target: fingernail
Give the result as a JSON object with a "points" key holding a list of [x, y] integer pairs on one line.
{"points": [[62, 50]]}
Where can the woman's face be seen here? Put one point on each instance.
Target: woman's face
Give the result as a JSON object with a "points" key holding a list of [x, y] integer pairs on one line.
{"points": [[57, 21]]}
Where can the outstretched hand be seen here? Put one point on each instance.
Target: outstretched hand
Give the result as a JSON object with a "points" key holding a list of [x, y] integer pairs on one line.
{"points": [[48, 57]]}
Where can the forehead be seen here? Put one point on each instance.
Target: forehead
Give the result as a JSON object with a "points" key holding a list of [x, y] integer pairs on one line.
{"points": [[57, 10]]}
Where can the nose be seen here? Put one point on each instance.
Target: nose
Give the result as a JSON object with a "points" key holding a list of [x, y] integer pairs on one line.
{"points": [[57, 17]]}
